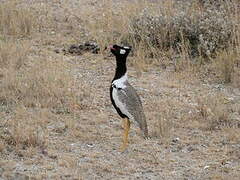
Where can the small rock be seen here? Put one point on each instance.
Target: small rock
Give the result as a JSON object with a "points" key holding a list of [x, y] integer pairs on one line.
{"points": [[90, 145], [57, 51], [52, 154], [190, 149], [206, 167], [175, 140]]}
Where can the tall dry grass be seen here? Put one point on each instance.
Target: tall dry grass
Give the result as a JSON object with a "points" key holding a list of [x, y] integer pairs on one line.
{"points": [[218, 112], [14, 20], [26, 129], [45, 83], [33, 93], [183, 32], [225, 62], [35, 85]]}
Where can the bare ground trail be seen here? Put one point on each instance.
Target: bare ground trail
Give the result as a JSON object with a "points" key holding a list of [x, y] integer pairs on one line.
{"points": [[190, 139]]}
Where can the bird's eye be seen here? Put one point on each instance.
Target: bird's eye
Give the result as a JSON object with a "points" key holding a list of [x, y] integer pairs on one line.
{"points": [[122, 51]]}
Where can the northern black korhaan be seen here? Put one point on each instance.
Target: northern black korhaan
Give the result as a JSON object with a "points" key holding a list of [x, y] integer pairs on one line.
{"points": [[124, 97]]}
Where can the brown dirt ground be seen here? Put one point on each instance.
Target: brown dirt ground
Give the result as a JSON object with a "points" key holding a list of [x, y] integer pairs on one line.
{"points": [[85, 144]]}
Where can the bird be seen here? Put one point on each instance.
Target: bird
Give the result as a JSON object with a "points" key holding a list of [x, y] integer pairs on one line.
{"points": [[124, 97]]}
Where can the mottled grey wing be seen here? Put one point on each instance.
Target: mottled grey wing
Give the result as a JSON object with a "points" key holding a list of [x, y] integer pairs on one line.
{"points": [[133, 103]]}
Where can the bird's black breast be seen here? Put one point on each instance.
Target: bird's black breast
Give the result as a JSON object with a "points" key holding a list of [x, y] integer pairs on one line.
{"points": [[115, 106]]}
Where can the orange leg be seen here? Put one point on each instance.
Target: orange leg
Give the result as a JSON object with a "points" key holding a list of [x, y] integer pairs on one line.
{"points": [[126, 125]]}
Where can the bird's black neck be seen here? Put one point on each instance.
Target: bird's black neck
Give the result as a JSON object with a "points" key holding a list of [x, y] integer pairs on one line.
{"points": [[121, 68]]}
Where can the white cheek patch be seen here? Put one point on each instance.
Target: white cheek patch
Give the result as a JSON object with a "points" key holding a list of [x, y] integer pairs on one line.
{"points": [[122, 51], [126, 47]]}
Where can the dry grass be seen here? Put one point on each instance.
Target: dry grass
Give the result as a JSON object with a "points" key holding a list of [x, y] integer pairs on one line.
{"points": [[168, 30], [13, 54], [26, 129], [25, 92], [226, 64], [217, 112], [111, 22], [53, 120], [14, 20], [33, 90], [45, 84], [163, 114]]}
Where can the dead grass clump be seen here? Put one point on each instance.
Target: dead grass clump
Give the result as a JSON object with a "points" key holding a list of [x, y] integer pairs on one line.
{"points": [[232, 134], [108, 21], [205, 29], [164, 125], [162, 112], [225, 62], [14, 20], [12, 54], [173, 30], [218, 112], [164, 25], [25, 129], [47, 84]]}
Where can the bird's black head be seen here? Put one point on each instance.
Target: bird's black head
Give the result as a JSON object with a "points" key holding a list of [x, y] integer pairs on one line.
{"points": [[119, 51]]}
